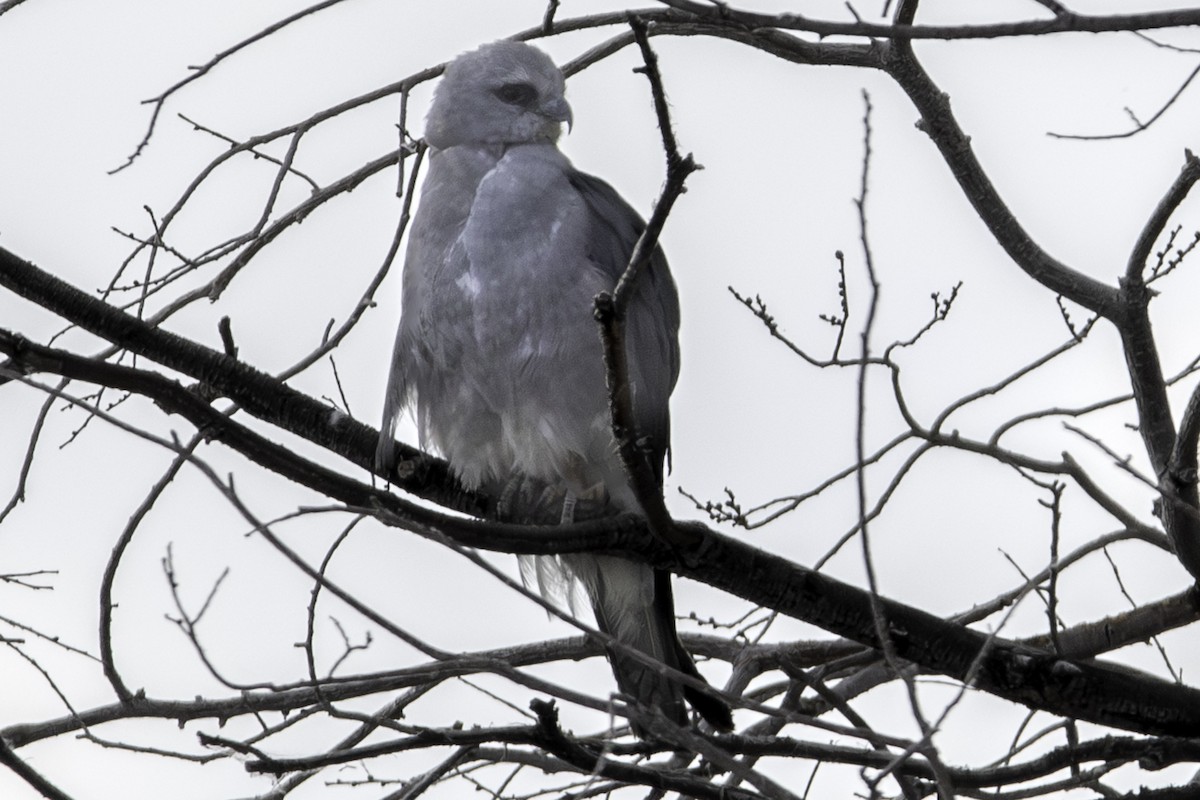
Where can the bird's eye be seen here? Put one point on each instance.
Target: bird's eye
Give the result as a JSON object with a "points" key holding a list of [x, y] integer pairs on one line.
{"points": [[517, 94]]}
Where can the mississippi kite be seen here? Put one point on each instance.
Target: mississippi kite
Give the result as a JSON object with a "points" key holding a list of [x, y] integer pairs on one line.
{"points": [[498, 350]]}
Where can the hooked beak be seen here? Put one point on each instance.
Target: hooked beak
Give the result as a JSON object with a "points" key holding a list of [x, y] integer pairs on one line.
{"points": [[558, 110]]}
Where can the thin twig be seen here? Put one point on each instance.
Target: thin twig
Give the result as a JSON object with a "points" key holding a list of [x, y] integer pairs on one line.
{"points": [[611, 308], [1139, 125], [160, 100]]}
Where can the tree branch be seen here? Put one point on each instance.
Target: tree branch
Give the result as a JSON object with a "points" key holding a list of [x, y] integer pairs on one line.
{"points": [[610, 308], [1104, 695], [27, 773], [199, 72], [1158, 220], [937, 120], [1065, 22], [256, 392], [1180, 500]]}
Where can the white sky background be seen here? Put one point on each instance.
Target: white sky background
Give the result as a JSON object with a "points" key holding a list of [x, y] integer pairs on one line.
{"points": [[782, 150]]}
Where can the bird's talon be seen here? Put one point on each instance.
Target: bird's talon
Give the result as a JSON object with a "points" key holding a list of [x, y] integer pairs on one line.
{"points": [[568, 509]]}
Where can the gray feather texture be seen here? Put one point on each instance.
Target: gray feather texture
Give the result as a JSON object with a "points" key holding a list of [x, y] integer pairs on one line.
{"points": [[498, 353]]}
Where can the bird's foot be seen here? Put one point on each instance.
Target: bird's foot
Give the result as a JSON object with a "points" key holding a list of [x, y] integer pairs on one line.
{"points": [[587, 504], [568, 509], [509, 500], [525, 500], [575, 505]]}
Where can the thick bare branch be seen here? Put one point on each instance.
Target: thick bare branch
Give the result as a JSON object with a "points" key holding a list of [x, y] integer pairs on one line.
{"points": [[1036, 679], [938, 121], [1066, 22]]}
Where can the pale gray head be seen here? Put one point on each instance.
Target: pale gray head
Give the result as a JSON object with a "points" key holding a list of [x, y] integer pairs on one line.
{"points": [[501, 93]]}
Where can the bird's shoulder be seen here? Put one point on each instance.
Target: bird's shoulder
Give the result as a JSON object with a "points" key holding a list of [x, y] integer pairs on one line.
{"points": [[616, 227], [527, 200], [527, 168], [605, 202]]}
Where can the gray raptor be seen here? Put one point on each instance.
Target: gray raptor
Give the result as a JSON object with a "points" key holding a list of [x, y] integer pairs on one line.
{"points": [[498, 350]]}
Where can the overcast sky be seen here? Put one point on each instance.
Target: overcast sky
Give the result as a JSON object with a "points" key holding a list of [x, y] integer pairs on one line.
{"points": [[782, 148]]}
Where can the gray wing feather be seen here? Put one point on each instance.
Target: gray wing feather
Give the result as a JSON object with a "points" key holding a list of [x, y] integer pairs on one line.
{"points": [[653, 316], [393, 406], [435, 318]]}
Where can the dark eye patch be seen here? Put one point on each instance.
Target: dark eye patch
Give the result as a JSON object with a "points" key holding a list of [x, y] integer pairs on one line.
{"points": [[517, 94]]}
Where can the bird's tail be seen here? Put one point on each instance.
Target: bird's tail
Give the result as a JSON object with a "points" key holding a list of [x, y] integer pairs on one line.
{"points": [[634, 604]]}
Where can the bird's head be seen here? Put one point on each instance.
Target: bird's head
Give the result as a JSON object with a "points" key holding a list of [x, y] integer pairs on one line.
{"points": [[501, 93]]}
